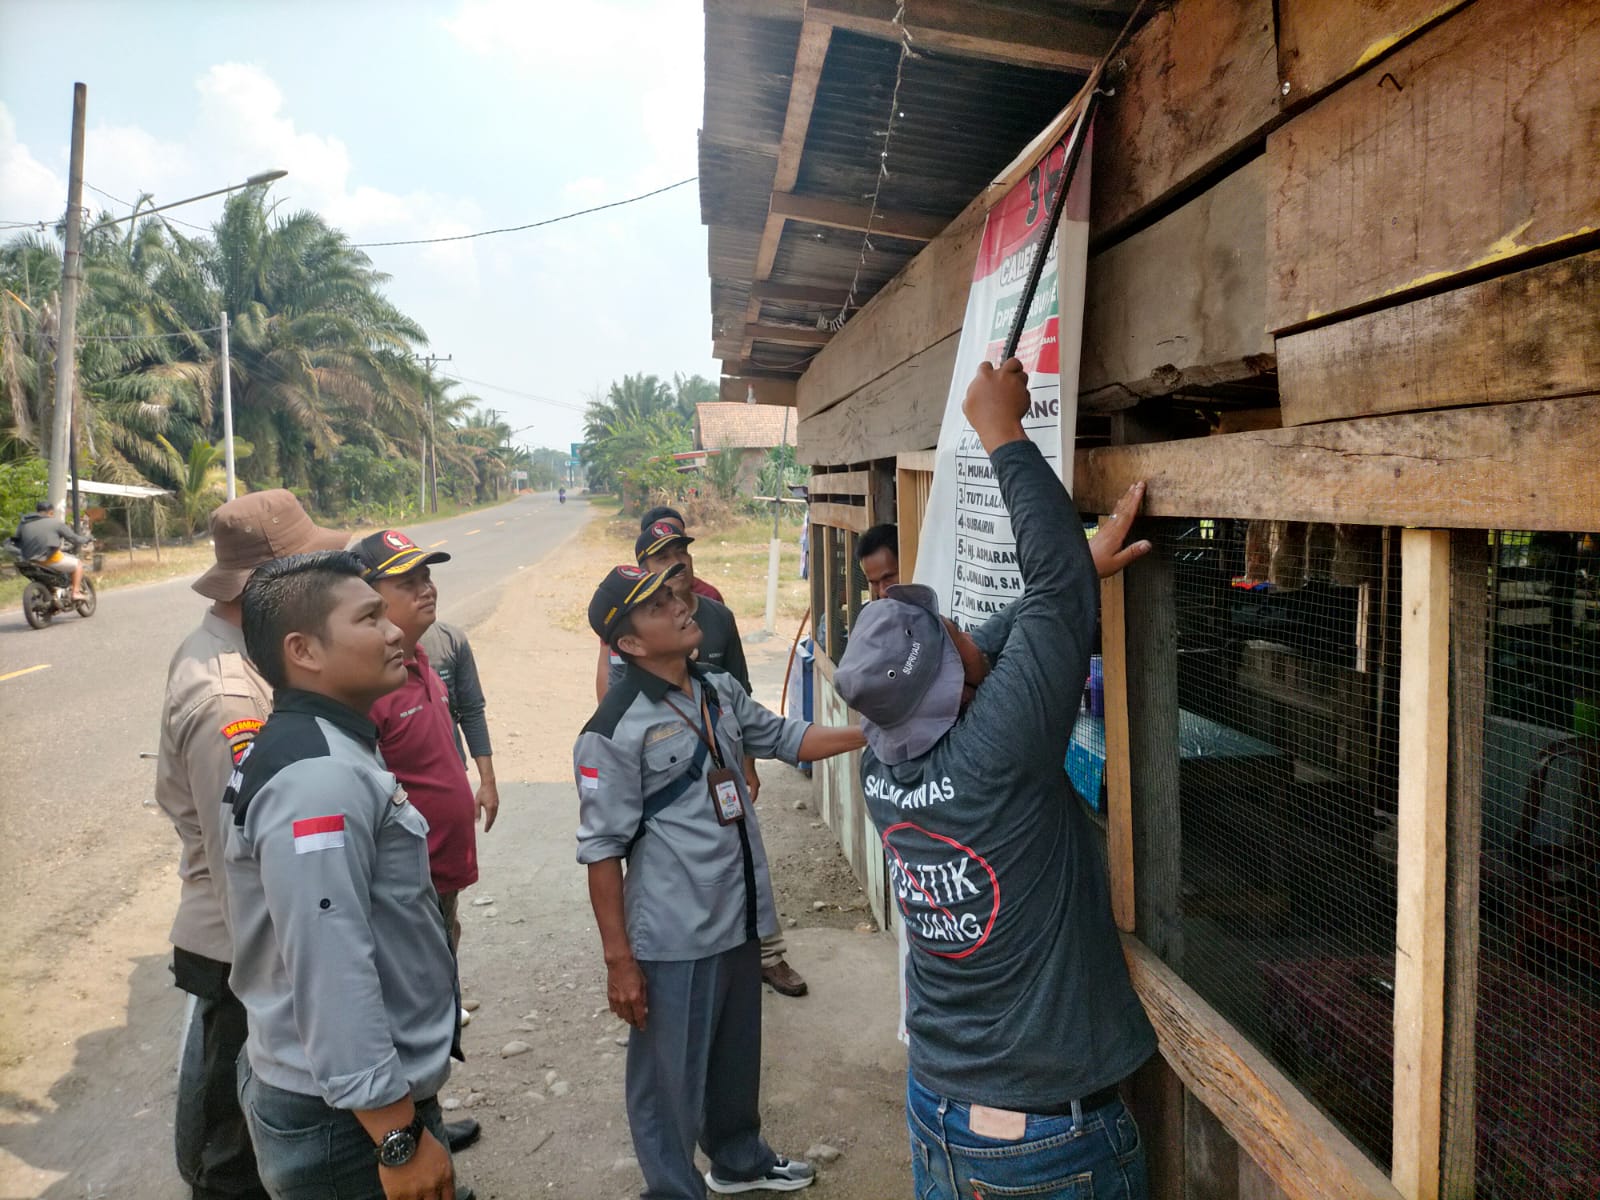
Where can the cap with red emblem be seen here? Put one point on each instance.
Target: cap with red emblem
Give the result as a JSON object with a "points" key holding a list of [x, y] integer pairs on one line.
{"points": [[623, 589], [390, 553], [657, 538]]}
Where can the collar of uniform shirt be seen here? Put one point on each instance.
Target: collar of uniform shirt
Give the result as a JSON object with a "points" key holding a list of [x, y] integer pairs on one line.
{"points": [[317, 705], [656, 688]]}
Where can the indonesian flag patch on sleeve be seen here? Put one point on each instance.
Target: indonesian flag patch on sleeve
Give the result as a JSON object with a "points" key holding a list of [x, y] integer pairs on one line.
{"points": [[589, 778], [318, 833]]}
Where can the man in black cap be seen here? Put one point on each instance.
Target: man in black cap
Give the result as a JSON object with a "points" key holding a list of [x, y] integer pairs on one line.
{"points": [[659, 548], [659, 787], [417, 735], [1022, 1019]]}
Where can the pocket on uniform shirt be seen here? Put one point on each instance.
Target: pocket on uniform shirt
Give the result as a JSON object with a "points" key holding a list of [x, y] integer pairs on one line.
{"points": [[410, 839], [664, 758]]}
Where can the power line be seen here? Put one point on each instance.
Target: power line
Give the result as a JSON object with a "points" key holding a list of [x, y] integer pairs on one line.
{"points": [[495, 387], [462, 237]]}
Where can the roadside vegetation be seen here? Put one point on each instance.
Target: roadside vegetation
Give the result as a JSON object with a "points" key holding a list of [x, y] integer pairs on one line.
{"points": [[329, 397]]}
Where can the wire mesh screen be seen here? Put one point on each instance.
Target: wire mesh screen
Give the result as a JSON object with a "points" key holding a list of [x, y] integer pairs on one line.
{"points": [[1522, 1102], [1285, 673]]}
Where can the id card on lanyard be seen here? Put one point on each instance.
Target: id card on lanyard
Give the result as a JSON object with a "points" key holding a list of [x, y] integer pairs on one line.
{"points": [[727, 802]]}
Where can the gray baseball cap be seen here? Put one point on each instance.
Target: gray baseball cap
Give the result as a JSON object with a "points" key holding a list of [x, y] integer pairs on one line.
{"points": [[902, 673]]}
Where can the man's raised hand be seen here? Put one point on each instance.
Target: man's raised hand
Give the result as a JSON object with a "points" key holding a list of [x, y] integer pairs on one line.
{"points": [[997, 400]]}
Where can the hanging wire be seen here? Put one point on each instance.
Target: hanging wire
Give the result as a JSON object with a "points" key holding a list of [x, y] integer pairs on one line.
{"points": [[906, 52], [583, 212]]}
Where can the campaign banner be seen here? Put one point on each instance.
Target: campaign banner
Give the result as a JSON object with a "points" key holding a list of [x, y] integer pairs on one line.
{"points": [[966, 551]]}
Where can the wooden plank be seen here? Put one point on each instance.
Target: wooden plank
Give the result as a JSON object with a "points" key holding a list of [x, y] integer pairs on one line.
{"points": [[787, 335], [1184, 302], [1210, 1155], [1268, 1115], [1524, 336], [1200, 86], [841, 516], [916, 460], [1026, 33], [1510, 466], [839, 483], [808, 59], [797, 293], [845, 214], [1119, 795], [1256, 1184], [1470, 147], [1469, 694], [1423, 797], [737, 389], [1150, 648], [927, 300], [1321, 42], [898, 412], [1156, 1098]]}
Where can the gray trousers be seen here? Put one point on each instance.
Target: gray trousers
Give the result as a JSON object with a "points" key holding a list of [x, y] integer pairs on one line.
{"points": [[694, 1073]]}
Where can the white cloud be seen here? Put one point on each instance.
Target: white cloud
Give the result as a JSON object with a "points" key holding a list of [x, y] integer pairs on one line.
{"points": [[29, 190]]}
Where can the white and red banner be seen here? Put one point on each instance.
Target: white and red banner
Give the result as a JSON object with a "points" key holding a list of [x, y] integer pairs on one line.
{"points": [[967, 552]]}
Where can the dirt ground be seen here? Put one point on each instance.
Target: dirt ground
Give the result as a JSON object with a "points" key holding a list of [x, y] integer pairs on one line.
{"points": [[86, 1109]]}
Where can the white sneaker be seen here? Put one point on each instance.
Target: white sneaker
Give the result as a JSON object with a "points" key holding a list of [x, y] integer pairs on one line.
{"points": [[785, 1175], [466, 1018]]}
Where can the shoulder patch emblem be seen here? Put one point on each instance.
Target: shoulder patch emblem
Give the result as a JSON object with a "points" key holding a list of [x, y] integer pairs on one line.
{"points": [[239, 734]]}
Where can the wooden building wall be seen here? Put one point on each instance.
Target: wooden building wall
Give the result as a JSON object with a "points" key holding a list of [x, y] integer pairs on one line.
{"points": [[1366, 237]]}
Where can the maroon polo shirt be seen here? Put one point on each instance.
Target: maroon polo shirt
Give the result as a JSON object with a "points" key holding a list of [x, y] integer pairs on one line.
{"points": [[418, 743]]}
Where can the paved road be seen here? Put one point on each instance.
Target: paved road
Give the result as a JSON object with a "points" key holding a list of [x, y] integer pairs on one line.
{"points": [[80, 700]]}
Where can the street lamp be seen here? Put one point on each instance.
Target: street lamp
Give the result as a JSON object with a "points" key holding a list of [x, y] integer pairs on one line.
{"points": [[66, 356]]}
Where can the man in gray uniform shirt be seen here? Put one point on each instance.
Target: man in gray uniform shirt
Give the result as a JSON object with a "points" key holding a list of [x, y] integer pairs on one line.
{"points": [[1022, 1019], [660, 788], [340, 954]]}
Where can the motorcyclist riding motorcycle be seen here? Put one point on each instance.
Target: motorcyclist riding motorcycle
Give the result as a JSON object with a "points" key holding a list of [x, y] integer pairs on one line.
{"points": [[39, 537], [562, 493]]}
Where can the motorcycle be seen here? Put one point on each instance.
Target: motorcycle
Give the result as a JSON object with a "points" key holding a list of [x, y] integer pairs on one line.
{"points": [[49, 592], [562, 495]]}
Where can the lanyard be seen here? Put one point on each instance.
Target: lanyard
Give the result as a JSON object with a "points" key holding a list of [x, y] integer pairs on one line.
{"points": [[703, 732]]}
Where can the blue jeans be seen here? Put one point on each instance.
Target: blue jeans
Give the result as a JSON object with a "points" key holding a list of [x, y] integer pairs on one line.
{"points": [[1093, 1156], [308, 1151]]}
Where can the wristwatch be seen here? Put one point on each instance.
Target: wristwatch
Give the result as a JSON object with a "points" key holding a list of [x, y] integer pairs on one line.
{"points": [[399, 1145]]}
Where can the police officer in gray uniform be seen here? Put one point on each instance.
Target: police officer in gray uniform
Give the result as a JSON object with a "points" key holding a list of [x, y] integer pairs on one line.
{"points": [[340, 954], [660, 789]]}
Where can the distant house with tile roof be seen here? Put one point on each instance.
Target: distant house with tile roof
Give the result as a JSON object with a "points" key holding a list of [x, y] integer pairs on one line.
{"points": [[750, 430]]}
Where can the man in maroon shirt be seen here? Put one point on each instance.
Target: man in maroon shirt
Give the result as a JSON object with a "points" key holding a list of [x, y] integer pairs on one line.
{"points": [[416, 734]]}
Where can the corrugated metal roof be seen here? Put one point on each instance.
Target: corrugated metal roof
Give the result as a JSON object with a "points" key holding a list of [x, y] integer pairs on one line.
{"points": [[963, 121]]}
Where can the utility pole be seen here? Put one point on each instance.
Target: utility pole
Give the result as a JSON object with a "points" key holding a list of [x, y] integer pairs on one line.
{"points": [[430, 457], [66, 334], [227, 411]]}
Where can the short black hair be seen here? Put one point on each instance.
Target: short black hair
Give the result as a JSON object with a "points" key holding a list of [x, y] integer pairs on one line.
{"points": [[290, 595], [660, 512], [879, 537], [44, 506]]}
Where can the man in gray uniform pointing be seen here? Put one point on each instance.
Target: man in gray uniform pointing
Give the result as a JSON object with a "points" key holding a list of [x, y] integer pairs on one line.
{"points": [[660, 788], [340, 953]]}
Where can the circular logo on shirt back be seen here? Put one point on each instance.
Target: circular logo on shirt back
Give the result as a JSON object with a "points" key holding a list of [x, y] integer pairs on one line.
{"points": [[947, 892]]}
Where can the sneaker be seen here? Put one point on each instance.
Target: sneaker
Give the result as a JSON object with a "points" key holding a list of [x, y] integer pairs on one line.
{"points": [[785, 1175], [783, 979]]}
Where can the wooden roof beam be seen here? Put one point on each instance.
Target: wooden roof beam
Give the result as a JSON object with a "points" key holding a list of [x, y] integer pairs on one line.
{"points": [[808, 60], [1024, 33], [844, 214], [787, 335], [797, 293]]}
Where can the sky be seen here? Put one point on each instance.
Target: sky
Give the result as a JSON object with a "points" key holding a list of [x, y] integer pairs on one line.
{"points": [[402, 120]]}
